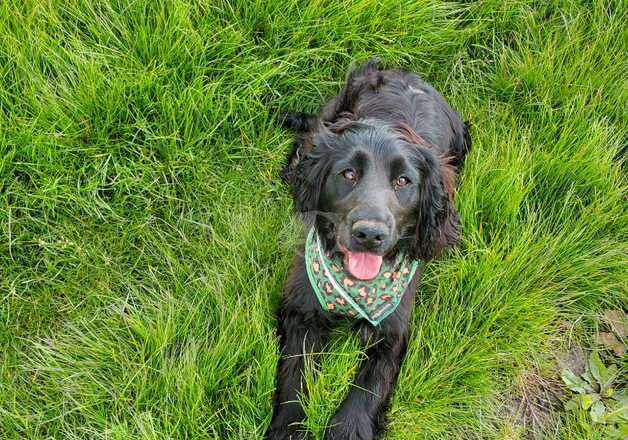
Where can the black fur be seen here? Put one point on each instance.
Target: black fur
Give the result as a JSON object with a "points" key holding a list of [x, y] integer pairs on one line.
{"points": [[384, 122]]}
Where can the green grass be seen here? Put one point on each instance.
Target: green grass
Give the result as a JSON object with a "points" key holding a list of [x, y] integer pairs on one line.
{"points": [[145, 236]]}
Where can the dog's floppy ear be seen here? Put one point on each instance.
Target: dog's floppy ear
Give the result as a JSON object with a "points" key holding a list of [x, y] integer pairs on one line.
{"points": [[306, 169], [438, 223]]}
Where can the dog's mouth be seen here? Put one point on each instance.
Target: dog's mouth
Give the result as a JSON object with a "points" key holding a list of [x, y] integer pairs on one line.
{"points": [[362, 265]]}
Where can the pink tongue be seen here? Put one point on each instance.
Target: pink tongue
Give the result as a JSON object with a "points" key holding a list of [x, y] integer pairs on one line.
{"points": [[363, 265]]}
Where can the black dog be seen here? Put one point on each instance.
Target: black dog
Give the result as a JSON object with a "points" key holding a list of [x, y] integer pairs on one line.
{"points": [[375, 173]]}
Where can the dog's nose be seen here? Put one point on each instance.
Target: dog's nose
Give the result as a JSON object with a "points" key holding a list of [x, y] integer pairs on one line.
{"points": [[369, 234]]}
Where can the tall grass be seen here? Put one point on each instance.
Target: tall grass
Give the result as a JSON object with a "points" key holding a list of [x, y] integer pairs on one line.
{"points": [[145, 235]]}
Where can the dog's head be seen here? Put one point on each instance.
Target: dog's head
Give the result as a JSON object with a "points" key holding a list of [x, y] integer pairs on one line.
{"points": [[376, 190]]}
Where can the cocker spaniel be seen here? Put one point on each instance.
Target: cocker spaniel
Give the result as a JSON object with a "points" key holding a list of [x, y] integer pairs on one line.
{"points": [[374, 173]]}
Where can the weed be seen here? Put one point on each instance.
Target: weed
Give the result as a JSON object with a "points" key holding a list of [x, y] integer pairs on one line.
{"points": [[595, 393]]}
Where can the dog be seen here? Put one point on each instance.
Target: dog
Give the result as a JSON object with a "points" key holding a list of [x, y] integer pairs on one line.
{"points": [[374, 175]]}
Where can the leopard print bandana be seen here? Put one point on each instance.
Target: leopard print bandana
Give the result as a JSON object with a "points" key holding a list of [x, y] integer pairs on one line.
{"points": [[340, 293]]}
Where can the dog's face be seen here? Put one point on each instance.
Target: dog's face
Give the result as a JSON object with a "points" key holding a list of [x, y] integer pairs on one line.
{"points": [[370, 194], [376, 191]]}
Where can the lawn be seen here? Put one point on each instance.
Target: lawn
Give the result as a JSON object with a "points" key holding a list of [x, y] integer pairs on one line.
{"points": [[145, 234]]}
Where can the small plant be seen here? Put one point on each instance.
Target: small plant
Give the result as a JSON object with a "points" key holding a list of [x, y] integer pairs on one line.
{"points": [[595, 394]]}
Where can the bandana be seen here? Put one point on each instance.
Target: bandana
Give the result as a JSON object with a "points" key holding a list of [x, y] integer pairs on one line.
{"points": [[340, 293]]}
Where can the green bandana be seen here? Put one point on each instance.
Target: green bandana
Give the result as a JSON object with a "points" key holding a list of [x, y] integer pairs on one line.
{"points": [[339, 292]]}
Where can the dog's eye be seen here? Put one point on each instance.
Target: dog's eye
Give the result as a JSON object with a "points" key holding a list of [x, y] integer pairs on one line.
{"points": [[402, 181], [350, 174]]}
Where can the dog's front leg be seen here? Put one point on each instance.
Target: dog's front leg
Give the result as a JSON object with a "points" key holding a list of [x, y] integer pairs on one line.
{"points": [[362, 415], [301, 332]]}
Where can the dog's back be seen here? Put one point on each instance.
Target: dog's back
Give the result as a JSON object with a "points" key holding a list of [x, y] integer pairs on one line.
{"points": [[396, 97], [400, 97]]}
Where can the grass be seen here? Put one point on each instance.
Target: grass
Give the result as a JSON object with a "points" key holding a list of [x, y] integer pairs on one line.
{"points": [[145, 237]]}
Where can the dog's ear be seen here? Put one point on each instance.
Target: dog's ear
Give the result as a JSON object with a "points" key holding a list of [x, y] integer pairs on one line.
{"points": [[307, 182], [438, 223], [301, 124], [307, 168]]}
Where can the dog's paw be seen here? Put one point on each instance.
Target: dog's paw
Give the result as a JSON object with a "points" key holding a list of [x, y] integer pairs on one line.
{"points": [[344, 428], [285, 433]]}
